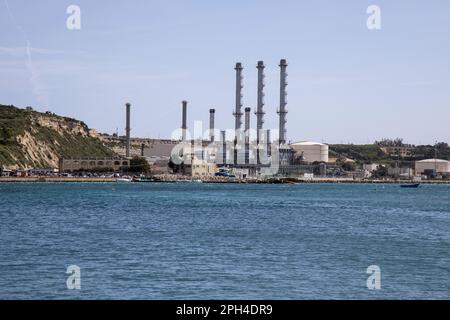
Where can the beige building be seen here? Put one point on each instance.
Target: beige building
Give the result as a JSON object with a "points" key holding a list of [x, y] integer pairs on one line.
{"points": [[402, 151], [311, 151], [441, 166], [88, 164], [202, 168]]}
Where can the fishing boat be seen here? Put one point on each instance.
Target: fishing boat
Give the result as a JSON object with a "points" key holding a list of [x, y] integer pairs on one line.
{"points": [[410, 185]]}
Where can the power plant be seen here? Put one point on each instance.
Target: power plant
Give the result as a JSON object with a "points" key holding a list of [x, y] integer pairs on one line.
{"points": [[243, 153], [243, 156]]}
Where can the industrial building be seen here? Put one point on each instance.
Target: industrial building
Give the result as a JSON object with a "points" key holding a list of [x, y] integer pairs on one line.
{"points": [[201, 168], [88, 164], [435, 166], [311, 152]]}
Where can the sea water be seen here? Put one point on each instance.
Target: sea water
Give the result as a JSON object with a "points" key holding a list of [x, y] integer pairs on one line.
{"points": [[223, 241]]}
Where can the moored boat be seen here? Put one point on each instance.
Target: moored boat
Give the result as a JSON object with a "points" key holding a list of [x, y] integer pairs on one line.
{"points": [[410, 185]]}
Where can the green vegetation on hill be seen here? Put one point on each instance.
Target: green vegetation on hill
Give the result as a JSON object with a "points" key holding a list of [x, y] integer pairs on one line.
{"points": [[63, 137], [366, 153], [373, 153]]}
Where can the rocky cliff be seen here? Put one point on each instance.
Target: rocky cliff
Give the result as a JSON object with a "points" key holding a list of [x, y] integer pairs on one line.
{"points": [[30, 139]]}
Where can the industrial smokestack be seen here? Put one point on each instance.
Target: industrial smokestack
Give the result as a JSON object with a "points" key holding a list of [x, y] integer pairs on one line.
{"points": [[224, 147], [247, 132], [183, 120], [237, 112], [211, 124], [283, 101], [260, 103], [247, 119], [127, 130], [260, 98]]}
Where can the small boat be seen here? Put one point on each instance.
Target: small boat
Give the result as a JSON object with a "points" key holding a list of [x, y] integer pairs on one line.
{"points": [[410, 185], [123, 180], [143, 179]]}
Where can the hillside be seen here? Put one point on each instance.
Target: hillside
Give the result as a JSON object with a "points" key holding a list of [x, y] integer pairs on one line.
{"points": [[373, 153], [34, 139]]}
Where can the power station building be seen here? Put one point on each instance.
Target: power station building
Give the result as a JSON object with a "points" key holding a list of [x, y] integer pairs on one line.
{"points": [[92, 164], [311, 151], [242, 152], [433, 165]]}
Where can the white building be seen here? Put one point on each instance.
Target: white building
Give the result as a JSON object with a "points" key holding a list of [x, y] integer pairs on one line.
{"points": [[370, 167], [441, 166], [311, 151]]}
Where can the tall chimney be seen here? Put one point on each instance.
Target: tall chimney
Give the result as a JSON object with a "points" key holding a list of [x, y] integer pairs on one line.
{"points": [[247, 132], [224, 147], [211, 124], [269, 143], [183, 120], [237, 112], [260, 103], [283, 101], [260, 94], [127, 130]]}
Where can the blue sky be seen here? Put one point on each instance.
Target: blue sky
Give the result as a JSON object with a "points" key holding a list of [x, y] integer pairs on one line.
{"points": [[346, 83]]}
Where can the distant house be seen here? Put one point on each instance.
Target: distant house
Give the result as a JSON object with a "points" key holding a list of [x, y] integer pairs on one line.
{"points": [[200, 168], [398, 151], [5, 172]]}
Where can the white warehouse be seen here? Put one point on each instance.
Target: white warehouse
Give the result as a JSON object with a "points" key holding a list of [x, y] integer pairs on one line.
{"points": [[311, 151]]}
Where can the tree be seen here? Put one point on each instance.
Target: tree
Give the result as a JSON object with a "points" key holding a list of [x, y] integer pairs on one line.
{"points": [[398, 142], [349, 166], [139, 165], [380, 172], [6, 135], [442, 146]]}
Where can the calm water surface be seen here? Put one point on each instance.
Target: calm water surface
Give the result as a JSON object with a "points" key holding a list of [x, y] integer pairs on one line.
{"points": [[223, 241]]}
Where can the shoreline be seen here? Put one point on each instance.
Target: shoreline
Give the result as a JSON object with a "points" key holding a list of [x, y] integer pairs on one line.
{"points": [[213, 180]]}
